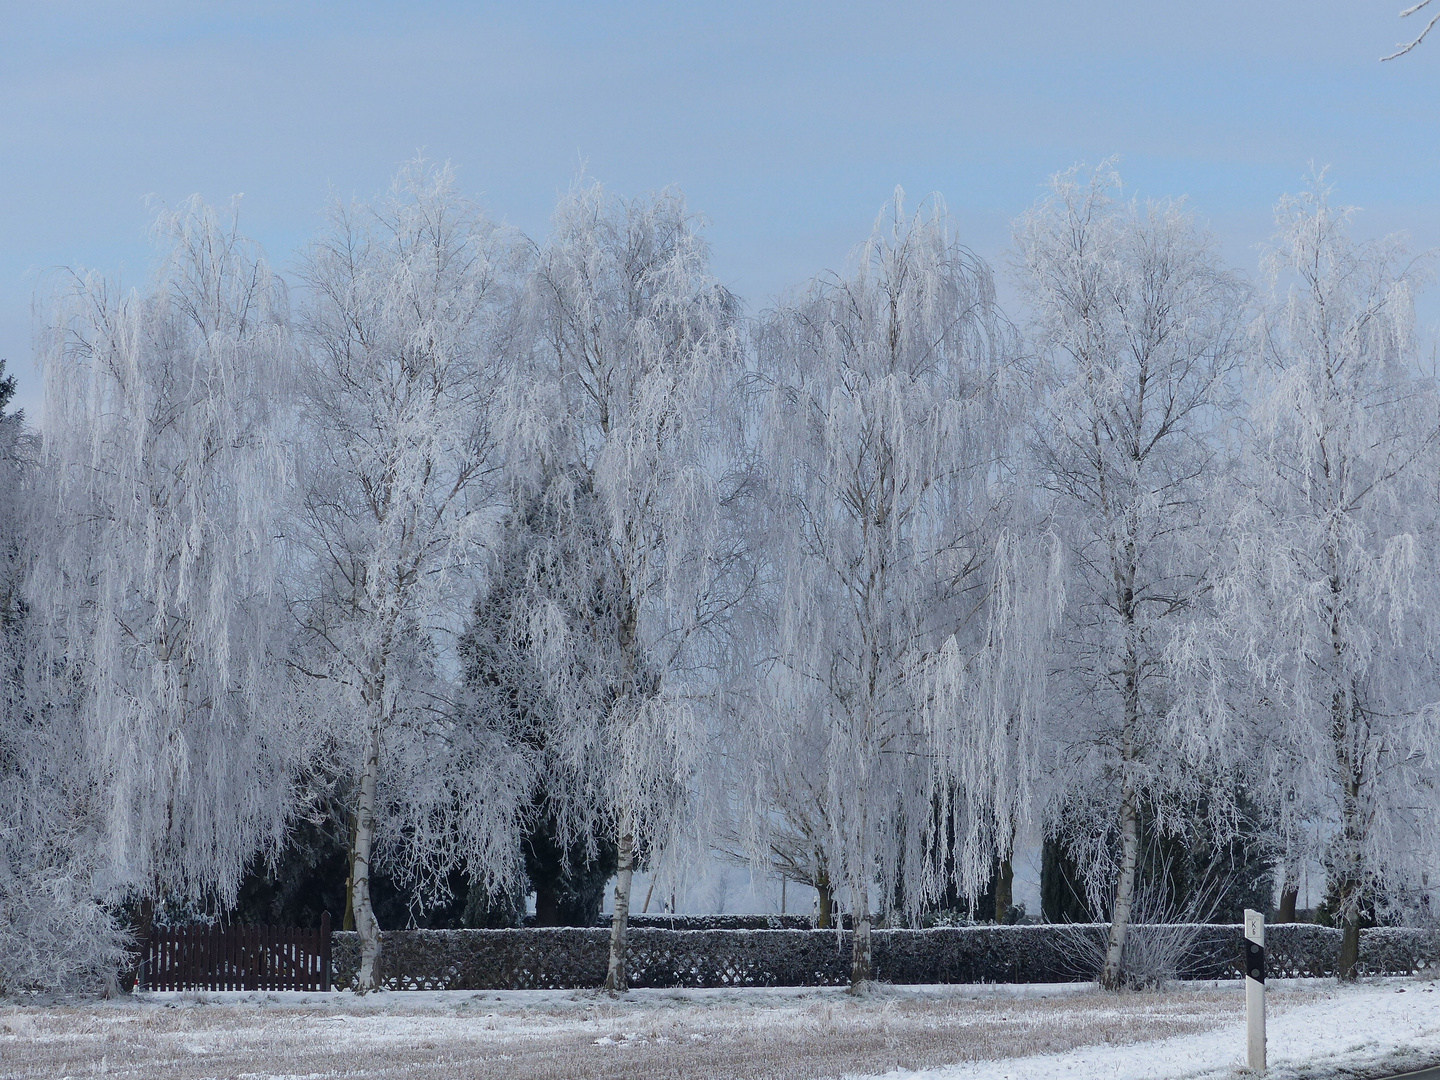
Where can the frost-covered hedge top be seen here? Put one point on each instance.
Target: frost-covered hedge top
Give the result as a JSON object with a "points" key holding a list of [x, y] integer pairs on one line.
{"points": [[719, 922]]}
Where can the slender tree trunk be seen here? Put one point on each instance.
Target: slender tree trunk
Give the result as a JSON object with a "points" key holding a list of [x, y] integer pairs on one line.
{"points": [[1345, 731], [347, 921], [1348, 970], [1113, 974], [547, 904], [826, 903], [615, 976], [616, 979], [861, 966], [1346, 723], [1289, 893], [1004, 891], [365, 922]]}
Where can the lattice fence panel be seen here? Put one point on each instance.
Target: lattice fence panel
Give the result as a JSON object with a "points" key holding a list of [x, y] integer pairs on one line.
{"points": [[575, 957]]}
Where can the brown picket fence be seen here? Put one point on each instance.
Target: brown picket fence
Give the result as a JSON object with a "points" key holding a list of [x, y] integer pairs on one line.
{"points": [[218, 957]]}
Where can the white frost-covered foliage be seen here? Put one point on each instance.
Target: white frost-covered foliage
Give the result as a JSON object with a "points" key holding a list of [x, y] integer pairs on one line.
{"points": [[57, 925], [886, 416], [1141, 323], [617, 434], [1333, 592], [54, 930], [153, 600], [404, 342]]}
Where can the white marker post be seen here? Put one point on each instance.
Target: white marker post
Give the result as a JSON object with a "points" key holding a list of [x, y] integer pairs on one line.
{"points": [[1255, 990]]}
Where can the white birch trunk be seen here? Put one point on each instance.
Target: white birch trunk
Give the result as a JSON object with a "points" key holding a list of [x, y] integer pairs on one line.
{"points": [[615, 977], [1114, 970], [365, 922]]}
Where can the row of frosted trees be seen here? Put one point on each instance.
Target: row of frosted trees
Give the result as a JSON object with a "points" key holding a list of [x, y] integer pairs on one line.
{"points": [[479, 538]]}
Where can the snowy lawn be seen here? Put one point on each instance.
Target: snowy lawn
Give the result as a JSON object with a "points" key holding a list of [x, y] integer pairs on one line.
{"points": [[989, 1032]]}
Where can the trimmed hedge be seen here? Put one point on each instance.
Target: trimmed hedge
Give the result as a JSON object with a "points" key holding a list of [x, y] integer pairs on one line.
{"points": [[575, 957]]}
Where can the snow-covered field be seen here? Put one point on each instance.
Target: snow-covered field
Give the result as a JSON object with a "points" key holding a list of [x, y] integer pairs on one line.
{"points": [[985, 1033]]}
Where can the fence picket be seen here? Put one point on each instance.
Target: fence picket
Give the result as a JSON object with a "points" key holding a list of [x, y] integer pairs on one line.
{"points": [[232, 958], [253, 957]]}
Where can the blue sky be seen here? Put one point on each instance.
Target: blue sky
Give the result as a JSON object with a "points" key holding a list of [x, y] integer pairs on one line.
{"points": [[787, 124]]}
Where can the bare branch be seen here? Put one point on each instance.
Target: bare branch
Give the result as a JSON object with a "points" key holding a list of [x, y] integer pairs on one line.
{"points": [[1405, 48]]}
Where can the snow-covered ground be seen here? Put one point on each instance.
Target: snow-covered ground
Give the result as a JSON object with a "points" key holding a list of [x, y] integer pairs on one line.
{"points": [[1315, 1030], [944, 1032]]}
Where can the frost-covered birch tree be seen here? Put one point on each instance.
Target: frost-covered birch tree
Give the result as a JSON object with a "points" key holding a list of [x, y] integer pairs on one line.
{"points": [[154, 597], [1141, 323], [616, 431], [1334, 590], [883, 398], [403, 360]]}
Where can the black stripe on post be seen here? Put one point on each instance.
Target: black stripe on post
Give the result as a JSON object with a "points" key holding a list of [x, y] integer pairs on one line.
{"points": [[1254, 961]]}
